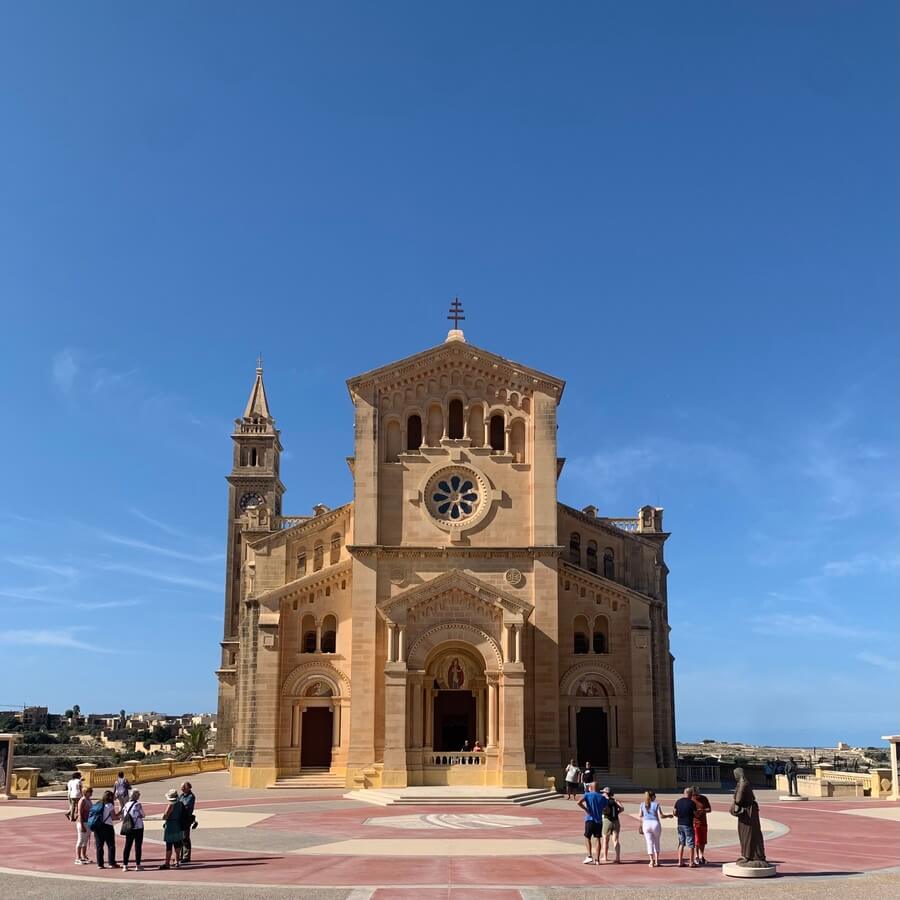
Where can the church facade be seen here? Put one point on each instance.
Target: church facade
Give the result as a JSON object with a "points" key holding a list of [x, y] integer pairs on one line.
{"points": [[453, 600]]}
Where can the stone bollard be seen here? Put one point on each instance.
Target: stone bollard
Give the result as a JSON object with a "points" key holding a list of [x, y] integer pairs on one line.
{"points": [[87, 774], [25, 782], [881, 782]]}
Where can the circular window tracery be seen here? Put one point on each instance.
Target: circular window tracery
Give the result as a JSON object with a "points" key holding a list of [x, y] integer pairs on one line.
{"points": [[456, 496]]}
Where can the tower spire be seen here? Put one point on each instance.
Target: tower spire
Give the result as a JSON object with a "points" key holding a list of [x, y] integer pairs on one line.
{"points": [[257, 404]]}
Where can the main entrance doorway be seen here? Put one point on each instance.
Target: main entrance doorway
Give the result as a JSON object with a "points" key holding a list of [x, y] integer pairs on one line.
{"points": [[315, 743], [592, 736], [454, 720]]}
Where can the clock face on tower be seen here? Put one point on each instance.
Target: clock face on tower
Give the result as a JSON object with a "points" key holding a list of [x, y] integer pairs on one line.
{"points": [[251, 498]]}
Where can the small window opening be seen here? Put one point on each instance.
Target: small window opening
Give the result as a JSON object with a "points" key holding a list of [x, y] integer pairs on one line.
{"points": [[497, 433], [413, 432], [455, 420]]}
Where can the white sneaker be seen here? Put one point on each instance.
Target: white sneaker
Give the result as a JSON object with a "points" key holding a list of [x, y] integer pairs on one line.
{"points": [[587, 861]]}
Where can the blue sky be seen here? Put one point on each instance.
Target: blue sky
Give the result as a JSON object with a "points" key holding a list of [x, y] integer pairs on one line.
{"points": [[686, 210]]}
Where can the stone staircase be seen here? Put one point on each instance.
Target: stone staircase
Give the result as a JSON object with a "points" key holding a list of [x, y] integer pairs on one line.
{"points": [[452, 796], [620, 784], [311, 779]]}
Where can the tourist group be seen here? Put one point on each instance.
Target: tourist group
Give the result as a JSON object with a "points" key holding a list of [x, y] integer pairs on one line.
{"points": [[99, 818], [602, 820]]}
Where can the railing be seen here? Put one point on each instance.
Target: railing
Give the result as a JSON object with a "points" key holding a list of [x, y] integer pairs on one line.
{"points": [[623, 524], [690, 774], [283, 522], [138, 773], [454, 759]]}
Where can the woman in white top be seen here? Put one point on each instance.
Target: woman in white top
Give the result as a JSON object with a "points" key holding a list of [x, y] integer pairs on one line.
{"points": [[134, 837], [651, 825]]}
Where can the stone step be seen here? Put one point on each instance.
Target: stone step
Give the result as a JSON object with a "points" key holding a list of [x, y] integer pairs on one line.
{"points": [[309, 779]]}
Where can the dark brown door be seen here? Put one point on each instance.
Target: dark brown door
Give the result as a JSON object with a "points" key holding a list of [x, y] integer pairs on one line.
{"points": [[315, 751], [593, 737], [454, 720]]}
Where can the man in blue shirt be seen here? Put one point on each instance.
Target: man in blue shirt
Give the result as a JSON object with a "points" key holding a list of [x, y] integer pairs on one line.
{"points": [[593, 804]]}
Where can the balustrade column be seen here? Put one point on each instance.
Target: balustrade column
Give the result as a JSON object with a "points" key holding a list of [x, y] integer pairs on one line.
{"points": [[492, 714]]}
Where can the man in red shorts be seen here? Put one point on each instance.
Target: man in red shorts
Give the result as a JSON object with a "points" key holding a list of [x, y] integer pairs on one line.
{"points": [[700, 831]]}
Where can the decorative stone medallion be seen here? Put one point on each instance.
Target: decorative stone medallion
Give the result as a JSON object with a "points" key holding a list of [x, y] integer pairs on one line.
{"points": [[514, 577], [398, 577], [456, 497]]}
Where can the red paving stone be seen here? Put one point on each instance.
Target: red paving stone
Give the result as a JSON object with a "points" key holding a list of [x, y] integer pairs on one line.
{"points": [[819, 842]]}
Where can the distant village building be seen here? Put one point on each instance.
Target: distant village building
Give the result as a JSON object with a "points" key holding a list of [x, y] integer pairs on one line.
{"points": [[455, 599]]}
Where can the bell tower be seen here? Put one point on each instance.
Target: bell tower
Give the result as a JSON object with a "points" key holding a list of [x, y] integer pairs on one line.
{"points": [[254, 481]]}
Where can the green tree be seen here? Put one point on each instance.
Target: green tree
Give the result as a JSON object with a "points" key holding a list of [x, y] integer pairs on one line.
{"points": [[195, 740]]}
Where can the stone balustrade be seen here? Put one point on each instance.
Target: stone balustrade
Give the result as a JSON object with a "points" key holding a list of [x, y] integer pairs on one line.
{"points": [[828, 783], [623, 524], [138, 773], [459, 758]]}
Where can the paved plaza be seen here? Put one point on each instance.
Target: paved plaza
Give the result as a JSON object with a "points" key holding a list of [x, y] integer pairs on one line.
{"points": [[315, 844]]}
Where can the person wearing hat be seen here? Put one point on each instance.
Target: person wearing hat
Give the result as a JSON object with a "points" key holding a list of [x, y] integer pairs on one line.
{"points": [[173, 833], [610, 825]]}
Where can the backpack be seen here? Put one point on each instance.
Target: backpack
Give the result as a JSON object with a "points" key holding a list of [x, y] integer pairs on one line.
{"points": [[127, 820], [95, 816]]}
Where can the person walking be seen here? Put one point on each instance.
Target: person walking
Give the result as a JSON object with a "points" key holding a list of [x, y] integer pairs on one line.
{"points": [[769, 772], [587, 777], [611, 824], [173, 833], [790, 772], [121, 789], [82, 835], [685, 810], [651, 825], [593, 804], [73, 792], [702, 808], [572, 777], [133, 830], [105, 832], [187, 801]]}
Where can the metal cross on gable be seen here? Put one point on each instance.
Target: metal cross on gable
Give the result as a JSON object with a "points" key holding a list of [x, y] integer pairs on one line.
{"points": [[456, 312]]}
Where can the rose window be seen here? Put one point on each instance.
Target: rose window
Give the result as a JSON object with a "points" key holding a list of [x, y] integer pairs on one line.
{"points": [[455, 496]]}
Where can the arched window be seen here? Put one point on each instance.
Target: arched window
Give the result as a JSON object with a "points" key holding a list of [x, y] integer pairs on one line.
{"points": [[497, 433], [476, 425], [308, 635], [413, 432], [329, 634], [580, 636], [455, 420], [609, 563], [601, 635], [335, 553], [392, 441], [435, 429], [575, 548], [517, 440], [591, 554], [318, 557], [301, 563]]}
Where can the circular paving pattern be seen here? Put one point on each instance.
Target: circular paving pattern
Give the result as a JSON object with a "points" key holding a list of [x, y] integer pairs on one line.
{"points": [[318, 839]]}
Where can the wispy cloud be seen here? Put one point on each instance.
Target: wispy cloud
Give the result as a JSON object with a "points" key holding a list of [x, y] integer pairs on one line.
{"points": [[874, 659], [102, 379], [41, 565], [165, 577], [64, 369], [789, 625], [862, 563], [45, 637], [162, 526], [161, 551]]}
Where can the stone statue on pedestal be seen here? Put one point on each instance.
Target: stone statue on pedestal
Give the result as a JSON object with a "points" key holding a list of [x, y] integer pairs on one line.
{"points": [[745, 808]]}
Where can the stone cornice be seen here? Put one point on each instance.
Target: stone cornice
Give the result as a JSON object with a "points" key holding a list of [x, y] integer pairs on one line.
{"points": [[308, 527], [450, 355], [605, 585], [313, 581], [379, 551], [600, 525], [455, 579]]}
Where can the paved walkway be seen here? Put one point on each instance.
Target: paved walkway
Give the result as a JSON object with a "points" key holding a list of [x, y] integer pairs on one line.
{"points": [[260, 843]]}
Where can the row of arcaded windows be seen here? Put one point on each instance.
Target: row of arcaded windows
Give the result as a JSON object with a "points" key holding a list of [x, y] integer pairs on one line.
{"points": [[318, 554], [309, 635], [587, 639], [478, 431], [591, 563]]}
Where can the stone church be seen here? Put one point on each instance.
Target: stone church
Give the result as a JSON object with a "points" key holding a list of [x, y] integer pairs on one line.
{"points": [[453, 600]]}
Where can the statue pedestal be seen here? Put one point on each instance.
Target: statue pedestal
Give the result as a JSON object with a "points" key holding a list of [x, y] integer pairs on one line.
{"points": [[791, 798], [733, 870]]}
